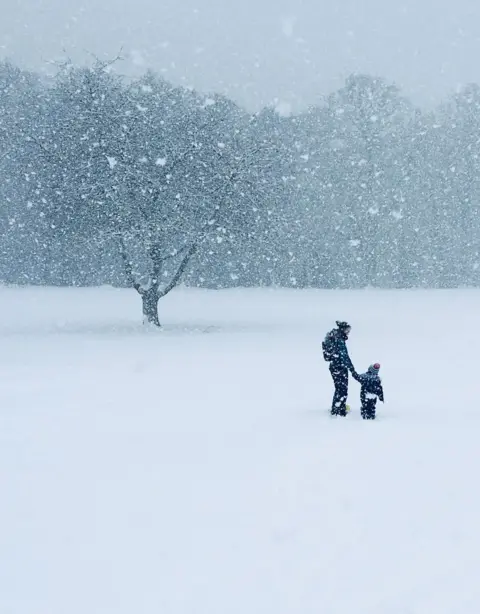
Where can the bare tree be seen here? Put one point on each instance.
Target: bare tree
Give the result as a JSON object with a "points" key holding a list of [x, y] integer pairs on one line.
{"points": [[148, 168]]}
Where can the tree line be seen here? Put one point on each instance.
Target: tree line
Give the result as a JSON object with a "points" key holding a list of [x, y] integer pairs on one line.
{"points": [[139, 183]]}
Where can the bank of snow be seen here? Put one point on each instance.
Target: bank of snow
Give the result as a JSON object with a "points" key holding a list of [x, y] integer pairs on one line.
{"points": [[196, 470]]}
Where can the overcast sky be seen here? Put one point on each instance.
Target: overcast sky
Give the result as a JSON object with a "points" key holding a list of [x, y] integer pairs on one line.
{"points": [[257, 51]]}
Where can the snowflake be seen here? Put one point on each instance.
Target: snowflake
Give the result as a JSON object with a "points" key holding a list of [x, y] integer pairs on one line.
{"points": [[287, 26], [112, 162], [283, 108]]}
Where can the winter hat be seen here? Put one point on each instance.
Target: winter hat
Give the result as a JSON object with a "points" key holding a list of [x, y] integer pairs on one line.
{"points": [[375, 368], [342, 325]]}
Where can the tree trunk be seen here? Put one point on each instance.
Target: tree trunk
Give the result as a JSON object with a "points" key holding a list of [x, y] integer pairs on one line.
{"points": [[150, 300]]}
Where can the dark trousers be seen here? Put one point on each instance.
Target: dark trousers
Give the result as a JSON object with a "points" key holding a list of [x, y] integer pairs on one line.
{"points": [[368, 409], [340, 379]]}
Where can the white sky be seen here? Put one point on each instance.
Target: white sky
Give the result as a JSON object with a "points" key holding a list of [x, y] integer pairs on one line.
{"points": [[259, 50]]}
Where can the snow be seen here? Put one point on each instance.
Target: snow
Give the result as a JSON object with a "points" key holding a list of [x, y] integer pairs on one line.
{"points": [[283, 108], [112, 161], [137, 57], [196, 469], [288, 24]]}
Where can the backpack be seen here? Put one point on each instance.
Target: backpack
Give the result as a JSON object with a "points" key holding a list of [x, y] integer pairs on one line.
{"points": [[328, 347]]}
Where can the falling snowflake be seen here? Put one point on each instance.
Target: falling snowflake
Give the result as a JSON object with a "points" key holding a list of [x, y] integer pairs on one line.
{"points": [[288, 24], [283, 108]]}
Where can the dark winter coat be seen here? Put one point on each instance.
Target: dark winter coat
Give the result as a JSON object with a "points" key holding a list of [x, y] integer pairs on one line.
{"points": [[371, 386], [335, 350]]}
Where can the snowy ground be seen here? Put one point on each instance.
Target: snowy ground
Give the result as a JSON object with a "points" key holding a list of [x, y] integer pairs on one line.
{"points": [[196, 470]]}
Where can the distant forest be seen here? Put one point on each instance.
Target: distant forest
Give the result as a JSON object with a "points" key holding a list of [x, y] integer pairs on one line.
{"points": [[108, 180]]}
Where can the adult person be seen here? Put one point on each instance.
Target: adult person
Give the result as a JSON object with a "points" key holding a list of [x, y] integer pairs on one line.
{"points": [[336, 353]]}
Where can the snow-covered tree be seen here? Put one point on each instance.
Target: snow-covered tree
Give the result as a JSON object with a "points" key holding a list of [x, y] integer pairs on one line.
{"points": [[147, 172], [143, 184]]}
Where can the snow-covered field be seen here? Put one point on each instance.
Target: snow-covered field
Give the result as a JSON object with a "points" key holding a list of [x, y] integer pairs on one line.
{"points": [[196, 470]]}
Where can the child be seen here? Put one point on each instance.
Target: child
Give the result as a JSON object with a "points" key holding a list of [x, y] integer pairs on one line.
{"points": [[371, 390]]}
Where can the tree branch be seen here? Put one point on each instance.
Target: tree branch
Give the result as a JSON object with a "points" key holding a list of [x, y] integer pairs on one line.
{"points": [[179, 272], [128, 267]]}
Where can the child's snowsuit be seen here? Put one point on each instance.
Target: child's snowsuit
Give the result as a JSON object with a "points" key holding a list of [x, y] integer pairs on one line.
{"points": [[371, 390]]}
